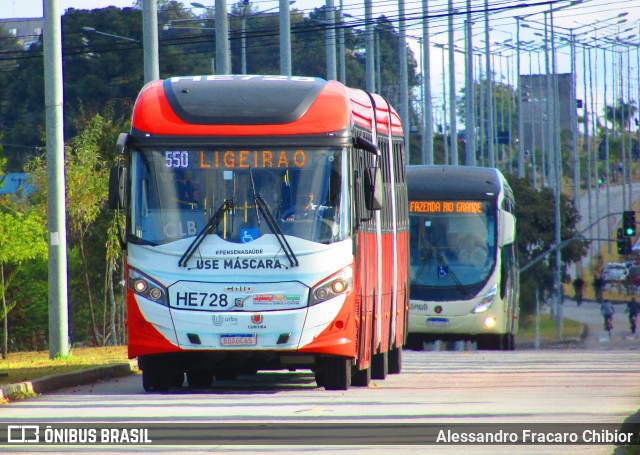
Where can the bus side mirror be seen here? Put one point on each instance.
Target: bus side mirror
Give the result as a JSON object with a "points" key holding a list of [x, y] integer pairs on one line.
{"points": [[372, 189], [117, 185], [372, 182], [507, 228]]}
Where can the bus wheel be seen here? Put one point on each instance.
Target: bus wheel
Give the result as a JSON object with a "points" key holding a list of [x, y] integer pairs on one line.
{"points": [[199, 379], [337, 373], [489, 342], [361, 378], [155, 379], [414, 342], [395, 360], [508, 342], [177, 378], [379, 365]]}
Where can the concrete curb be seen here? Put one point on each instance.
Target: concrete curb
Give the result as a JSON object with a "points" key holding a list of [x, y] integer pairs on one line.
{"points": [[53, 382]]}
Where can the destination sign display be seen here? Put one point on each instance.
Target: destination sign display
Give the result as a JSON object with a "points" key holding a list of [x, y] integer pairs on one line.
{"points": [[237, 159], [467, 207]]}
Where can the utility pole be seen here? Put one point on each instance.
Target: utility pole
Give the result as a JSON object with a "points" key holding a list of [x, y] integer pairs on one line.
{"points": [[330, 20], [470, 127], [58, 297], [404, 80], [285, 38], [150, 40], [370, 82], [223, 58], [453, 138], [427, 122]]}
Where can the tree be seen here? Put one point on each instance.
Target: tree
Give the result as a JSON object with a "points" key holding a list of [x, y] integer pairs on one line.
{"points": [[23, 237], [621, 114], [86, 194], [535, 215]]}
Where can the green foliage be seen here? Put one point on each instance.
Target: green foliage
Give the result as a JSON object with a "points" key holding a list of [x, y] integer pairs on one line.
{"points": [[102, 77], [535, 214]]}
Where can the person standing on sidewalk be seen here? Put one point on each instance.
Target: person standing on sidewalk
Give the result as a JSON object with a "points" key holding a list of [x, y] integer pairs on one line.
{"points": [[633, 309], [578, 284]]}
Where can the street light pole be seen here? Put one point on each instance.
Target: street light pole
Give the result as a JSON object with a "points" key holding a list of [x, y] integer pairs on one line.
{"points": [[427, 121]]}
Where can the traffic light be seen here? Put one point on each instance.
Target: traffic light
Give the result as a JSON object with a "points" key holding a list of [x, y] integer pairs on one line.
{"points": [[629, 223], [624, 243]]}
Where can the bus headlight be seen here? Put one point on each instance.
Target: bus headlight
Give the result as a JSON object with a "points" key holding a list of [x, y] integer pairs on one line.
{"points": [[487, 300], [144, 286], [331, 287]]}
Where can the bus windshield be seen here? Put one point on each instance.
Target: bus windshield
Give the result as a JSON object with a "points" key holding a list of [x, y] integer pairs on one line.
{"points": [[176, 191], [452, 248]]}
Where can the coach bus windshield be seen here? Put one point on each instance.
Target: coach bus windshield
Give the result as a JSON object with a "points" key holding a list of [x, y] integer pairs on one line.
{"points": [[176, 191], [453, 243]]}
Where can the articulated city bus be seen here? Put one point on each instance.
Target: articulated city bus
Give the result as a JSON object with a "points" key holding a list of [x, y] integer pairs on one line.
{"points": [[266, 228], [464, 269]]}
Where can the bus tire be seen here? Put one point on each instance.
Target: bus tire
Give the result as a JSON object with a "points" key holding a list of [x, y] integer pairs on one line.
{"points": [[379, 365], [414, 342], [199, 379], [177, 378], [395, 360], [489, 342], [361, 378], [508, 342], [337, 373], [155, 379]]}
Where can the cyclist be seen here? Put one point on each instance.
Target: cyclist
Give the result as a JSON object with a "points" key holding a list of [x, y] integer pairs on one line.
{"points": [[607, 312], [633, 309]]}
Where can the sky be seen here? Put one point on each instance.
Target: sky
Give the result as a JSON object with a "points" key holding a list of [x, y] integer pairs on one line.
{"points": [[608, 18]]}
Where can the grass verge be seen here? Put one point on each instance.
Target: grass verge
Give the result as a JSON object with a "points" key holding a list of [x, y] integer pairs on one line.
{"points": [[571, 330], [26, 366]]}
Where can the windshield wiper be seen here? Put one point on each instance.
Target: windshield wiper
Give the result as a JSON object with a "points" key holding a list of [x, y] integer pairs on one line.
{"points": [[213, 223], [272, 223], [460, 286]]}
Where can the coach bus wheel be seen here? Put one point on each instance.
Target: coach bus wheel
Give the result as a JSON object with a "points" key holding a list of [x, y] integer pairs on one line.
{"points": [[361, 378], [414, 342], [395, 360], [319, 376], [379, 365], [508, 342], [199, 379], [489, 342], [337, 373]]}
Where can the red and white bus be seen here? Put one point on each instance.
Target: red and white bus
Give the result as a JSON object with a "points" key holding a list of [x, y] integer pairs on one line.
{"points": [[221, 279]]}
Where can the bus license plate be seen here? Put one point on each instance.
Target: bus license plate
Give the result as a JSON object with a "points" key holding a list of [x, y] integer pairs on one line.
{"points": [[239, 340], [438, 322]]}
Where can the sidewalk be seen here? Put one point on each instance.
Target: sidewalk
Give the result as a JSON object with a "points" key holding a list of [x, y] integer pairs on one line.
{"points": [[54, 382], [596, 337]]}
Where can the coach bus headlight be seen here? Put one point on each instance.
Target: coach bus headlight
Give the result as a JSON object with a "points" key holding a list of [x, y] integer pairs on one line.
{"points": [[331, 287], [146, 287], [487, 300]]}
